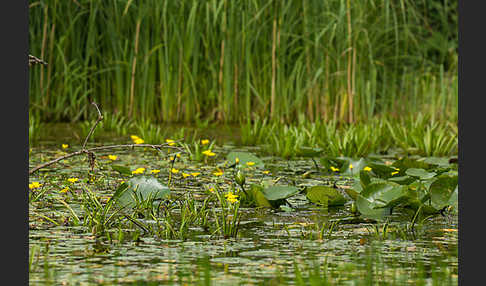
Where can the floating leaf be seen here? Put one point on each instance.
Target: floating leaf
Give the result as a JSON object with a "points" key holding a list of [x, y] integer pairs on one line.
{"points": [[257, 197], [122, 169], [384, 194], [328, 162], [407, 163], [438, 161], [402, 180], [309, 152], [420, 173], [441, 191], [244, 158], [274, 193], [364, 208], [454, 197], [352, 166], [381, 170], [140, 189], [364, 177], [325, 196]]}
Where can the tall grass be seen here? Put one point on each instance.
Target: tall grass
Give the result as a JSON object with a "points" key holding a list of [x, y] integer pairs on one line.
{"points": [[419, 135], [231, 60]]}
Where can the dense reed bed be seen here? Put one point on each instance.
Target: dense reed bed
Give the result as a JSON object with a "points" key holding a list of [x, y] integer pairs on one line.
{"points": [[185, 61]]}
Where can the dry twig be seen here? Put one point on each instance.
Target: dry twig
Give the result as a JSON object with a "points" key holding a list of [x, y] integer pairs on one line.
{"points": [[90, 151]]}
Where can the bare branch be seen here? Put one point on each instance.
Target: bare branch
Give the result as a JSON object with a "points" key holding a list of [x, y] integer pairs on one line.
{"points": [[87, 151], [100, 117]]}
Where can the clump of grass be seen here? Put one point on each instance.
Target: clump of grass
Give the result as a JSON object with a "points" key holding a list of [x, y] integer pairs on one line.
{"points": [[415, 135]]}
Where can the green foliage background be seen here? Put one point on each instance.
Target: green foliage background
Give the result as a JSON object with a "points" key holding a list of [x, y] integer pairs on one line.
{"points": [[174, 61]]}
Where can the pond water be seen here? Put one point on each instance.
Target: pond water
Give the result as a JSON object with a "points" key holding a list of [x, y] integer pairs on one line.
{"points": [[273, 247]]}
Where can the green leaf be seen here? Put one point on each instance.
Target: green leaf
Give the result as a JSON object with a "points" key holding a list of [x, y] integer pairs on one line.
{"points": [[364, 177], [325, 196], [353, 167], [309, 152], [386, 194], [364, 208], [420, 173], [244, 158], [454, 197], [442, 190], [402, 180], [274, 193], [140, 189], [328, 162], [407, 163], [122, 169], [381, 170], [257, 197], [438, 161]]}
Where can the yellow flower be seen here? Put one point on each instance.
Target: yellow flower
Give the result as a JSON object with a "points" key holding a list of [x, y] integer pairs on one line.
{"points": [[139, 141], [64, 190], [208, 153], [112, 157], [170, 141], [266, 172], [250, 163], [155, 171], [231, 197], [204, 141], [237, 160], [184, 175], [136, 139], [211, 190], [394, 173], [64, 146], [174, 171], [334, 169], [35, 185], [73, 180], [138, 171], [368, 169], [195, 174], [351, 166], [218, 172]]}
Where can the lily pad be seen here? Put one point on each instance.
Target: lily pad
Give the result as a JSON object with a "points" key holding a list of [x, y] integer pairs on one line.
{"points": [[438, 161], [257, 197], [353, 166], [381, 170], [140, 189], [122, 169], [364, 208], [384, 194], [274, 193], [442, 191], [420, 173], [403, 180], [325, 196], [245, 158], [309, 152], [407, 163]]}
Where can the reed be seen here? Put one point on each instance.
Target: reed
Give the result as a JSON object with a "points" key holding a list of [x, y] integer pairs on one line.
{"points": [[183, 61]]}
